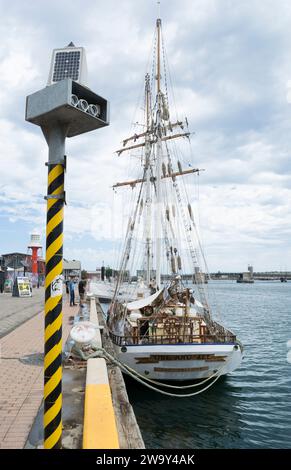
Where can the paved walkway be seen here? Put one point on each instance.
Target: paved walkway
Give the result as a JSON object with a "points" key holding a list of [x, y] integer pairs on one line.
{"points": [[16, 310], [21, 378]]}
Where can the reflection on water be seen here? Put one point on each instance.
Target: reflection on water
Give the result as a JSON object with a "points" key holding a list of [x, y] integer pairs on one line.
{"points": [[188, 422], [250, 408]]}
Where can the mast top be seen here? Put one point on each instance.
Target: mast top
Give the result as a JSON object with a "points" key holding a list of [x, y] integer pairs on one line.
{"points": [[158, 77], [159, 10]]}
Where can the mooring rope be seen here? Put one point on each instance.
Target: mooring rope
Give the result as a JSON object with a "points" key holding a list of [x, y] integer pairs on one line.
{"points": [[143, 380]]}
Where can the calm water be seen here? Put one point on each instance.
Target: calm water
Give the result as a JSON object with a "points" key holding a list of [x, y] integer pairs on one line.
{"points": [[250, 408]]}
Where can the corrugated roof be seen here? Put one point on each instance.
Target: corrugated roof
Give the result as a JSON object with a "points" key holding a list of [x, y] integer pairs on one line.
{"points": [[71, 264]]}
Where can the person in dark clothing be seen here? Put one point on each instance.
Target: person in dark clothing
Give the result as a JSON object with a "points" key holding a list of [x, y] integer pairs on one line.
{"points": [[72, 292], [82, 288], [144, 330], [152, 287]]}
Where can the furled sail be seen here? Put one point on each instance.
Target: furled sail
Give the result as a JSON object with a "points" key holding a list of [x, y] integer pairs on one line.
{"points": [[138, 304]]}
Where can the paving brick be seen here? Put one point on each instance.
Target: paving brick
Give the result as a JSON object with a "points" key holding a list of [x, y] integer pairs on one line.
{"points": [[16, 310], [10, 446], [21, 385]]}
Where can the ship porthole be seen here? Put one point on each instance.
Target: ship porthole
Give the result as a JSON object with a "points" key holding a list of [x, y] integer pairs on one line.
{"points": [[123, 349], [235, 347], [146, 372]]}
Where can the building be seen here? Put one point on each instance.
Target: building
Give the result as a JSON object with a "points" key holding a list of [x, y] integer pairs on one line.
{"points": [[247, 277], [2, 273], [20, 264], [71, 268], [114, 273], [16, 261], [94, 276]]}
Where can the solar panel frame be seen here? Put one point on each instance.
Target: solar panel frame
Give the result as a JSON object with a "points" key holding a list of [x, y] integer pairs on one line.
{"points": [[66, 65], [69, 62]]}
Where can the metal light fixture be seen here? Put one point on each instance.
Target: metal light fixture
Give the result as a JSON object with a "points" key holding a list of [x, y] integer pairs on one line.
{"points": [[74, 100], [94, 110], [83, 105]]}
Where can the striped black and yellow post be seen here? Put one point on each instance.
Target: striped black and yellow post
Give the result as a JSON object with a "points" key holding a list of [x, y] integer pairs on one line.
{"points": [[53, 110], [53, 308]]}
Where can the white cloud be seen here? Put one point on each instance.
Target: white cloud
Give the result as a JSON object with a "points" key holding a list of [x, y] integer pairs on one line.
{"points": [[230, 64], [196, 106]]}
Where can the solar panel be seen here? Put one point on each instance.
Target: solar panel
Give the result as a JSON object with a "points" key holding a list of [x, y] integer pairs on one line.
{"points": [[67, 65], [69, 62]]}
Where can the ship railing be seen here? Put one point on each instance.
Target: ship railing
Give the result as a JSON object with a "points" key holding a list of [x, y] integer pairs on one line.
{"points": [[173, 339], [221, 330]]}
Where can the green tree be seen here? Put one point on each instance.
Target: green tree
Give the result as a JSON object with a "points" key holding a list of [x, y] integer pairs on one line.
{"points": [[108, 272], [84, 274]]}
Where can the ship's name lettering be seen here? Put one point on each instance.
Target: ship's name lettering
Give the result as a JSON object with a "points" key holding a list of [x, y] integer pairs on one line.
{"points": [[155, 358]]}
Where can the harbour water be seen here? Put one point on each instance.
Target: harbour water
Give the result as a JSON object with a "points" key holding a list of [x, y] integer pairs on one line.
{"points": [[250, 408]]}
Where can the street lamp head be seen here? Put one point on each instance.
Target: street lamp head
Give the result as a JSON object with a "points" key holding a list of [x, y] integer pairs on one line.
{"points": [[67, 102], [70, 104]]}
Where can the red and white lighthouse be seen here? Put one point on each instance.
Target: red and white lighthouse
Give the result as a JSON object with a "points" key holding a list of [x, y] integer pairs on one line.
{"points": [[35, 245]]}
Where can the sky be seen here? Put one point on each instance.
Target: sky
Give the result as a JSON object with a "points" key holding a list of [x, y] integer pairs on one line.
{"points": [[231, 67]]}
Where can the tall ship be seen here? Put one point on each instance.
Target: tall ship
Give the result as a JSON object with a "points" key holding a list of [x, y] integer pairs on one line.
{"points": [[163, 328]]}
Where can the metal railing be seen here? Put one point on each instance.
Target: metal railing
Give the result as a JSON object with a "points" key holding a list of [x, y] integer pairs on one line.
{"points": [[173, 339]]}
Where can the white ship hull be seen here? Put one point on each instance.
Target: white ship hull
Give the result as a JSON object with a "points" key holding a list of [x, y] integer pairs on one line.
{"points": [[180, 362]]}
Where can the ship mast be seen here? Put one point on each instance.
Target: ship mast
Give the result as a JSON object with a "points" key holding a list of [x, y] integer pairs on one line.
{"points": [[154, 135], [158, 160], [148, 181]]}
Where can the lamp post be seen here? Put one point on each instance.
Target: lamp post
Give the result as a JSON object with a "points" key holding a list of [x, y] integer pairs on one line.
{"points": [[66, 108]]}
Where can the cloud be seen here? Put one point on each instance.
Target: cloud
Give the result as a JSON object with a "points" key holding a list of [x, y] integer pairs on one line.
{"points": [[229, 65]]}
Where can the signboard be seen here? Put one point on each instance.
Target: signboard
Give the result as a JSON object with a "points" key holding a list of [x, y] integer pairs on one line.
{"points": [[24, 287], [8, 285], [57, 286]]}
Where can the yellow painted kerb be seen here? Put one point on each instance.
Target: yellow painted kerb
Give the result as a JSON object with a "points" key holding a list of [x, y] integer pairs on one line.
{"points": [[100, 430]]}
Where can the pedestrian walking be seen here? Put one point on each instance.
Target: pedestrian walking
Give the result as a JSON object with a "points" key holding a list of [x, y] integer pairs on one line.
{"points": [[72, 292], [82, 289]]}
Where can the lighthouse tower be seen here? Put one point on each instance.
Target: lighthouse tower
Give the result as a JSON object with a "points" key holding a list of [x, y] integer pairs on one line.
{"points": [[35, 245]]}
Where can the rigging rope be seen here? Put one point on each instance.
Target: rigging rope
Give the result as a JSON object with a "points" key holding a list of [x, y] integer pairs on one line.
{"points": [[173, 224], [187, 226]]}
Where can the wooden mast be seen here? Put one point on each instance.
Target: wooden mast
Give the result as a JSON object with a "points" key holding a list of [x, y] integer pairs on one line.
{"points": [[168, 137], [135, 137], [159, 56], [148, 181], [153, 179], [158, 162]]}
